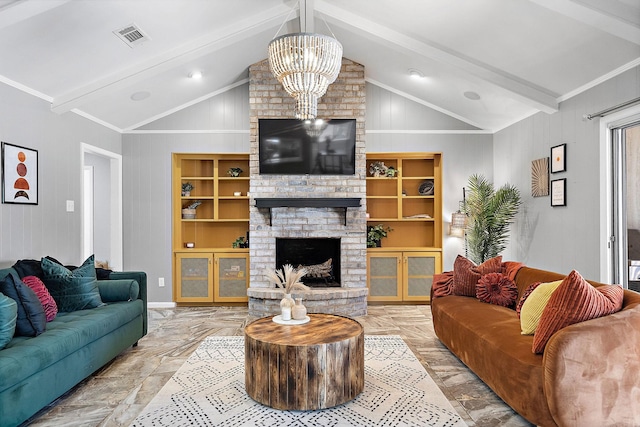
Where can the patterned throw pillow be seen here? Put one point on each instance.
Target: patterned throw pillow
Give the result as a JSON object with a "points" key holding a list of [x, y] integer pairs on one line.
{"points": [[496, 288], [575, 301], [525, 295], [72, 290], [443, 284], [534, 306], [466, 274], [48, 303], [31, 319], [8, 319]]}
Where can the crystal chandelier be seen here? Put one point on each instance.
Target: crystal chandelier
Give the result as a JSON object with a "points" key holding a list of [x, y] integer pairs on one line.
{"points": [[305, 64]]}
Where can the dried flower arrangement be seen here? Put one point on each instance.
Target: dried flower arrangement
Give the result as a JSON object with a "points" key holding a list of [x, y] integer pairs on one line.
{"points": [[287, 278]]}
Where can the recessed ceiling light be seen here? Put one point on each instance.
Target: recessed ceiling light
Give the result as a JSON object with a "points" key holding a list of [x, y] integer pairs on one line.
{"points": [[139, 96], [472, 95], [416, 74], [196, 75]]}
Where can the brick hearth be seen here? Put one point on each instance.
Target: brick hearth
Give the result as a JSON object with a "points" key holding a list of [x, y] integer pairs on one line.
{"points": [[345, 99]]}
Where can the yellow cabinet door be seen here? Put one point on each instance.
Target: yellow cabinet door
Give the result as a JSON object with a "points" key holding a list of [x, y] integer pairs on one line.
{"points": [[384, 276], [231, 277], [194, 277], [418, 271]]}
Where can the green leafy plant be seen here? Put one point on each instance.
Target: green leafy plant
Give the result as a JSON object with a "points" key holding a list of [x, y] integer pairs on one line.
{"points": [[193, 205], [375, 233], [240, 243], [490, 213], [186, 187], [234, 172]]}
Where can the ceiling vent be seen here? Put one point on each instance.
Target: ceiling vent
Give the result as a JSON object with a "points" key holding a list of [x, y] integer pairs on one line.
{"points": [[132, 35]]}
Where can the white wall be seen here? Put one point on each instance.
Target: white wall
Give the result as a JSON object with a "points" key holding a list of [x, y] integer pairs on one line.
{"points": [[561, 238], [101, 205], [34, 231]]}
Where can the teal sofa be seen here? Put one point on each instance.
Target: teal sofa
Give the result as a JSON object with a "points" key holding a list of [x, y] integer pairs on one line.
{"points": [[36, 371]]}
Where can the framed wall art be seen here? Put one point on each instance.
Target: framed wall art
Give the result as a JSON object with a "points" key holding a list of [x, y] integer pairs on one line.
{"points": [[19, 174], [559, 192], [559, 158], [540, 177]]}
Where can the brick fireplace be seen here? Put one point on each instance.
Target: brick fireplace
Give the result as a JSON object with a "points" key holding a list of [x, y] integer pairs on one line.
{"points": [[345, 99]]}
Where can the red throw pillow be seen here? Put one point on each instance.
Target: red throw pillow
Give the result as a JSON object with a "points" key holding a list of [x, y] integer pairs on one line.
{"points": [[443, 284], [466, 274], [498, 289], [48, 303], [525, 295], [574, 301], [511, 268]]}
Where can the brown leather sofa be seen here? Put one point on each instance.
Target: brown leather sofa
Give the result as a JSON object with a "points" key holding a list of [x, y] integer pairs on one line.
{"points": [[588, 375]]}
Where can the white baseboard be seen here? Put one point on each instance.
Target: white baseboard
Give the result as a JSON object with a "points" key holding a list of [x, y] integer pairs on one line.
{"points": [[161, 305]]}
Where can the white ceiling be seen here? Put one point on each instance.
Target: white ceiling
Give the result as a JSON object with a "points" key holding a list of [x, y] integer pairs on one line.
{"points": [[520, 56]]}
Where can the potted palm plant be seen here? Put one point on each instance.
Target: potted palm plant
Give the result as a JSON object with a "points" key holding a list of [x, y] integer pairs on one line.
{"points": [[189, 210], [490, 213]]}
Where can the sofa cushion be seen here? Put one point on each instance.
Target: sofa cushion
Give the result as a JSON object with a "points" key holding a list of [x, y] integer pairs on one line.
{"points": [[574, 301], [72, 290], [48, 303], [466, 274], [69, 332], [534, 305], [443, 284], [31, 320], [8, 318], [496, 288], [525, 295]]}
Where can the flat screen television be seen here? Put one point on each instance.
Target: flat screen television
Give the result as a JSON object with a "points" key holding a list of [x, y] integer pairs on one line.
{"points": [[296, 147]]}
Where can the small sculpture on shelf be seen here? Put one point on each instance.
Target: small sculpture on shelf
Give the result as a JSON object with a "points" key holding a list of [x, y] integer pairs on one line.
{"points": [[234, 172], [186, 189]]}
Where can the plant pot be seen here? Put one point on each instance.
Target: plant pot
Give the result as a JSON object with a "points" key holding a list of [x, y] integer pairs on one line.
{"points": [[186, 193], [188, 213]]}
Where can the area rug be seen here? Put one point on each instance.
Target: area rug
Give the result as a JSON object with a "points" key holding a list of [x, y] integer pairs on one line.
{"points": [[208, 390]]}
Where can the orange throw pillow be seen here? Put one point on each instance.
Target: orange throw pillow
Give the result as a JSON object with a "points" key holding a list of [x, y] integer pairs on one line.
{"points": [[466, 274], [443, 284], [574, 301]]}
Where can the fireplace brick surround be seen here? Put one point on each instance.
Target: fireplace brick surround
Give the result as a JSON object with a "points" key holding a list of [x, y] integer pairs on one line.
{"points": [[345, 99]]}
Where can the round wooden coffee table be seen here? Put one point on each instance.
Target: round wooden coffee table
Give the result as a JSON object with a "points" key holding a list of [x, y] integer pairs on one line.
{"points": [[316, 365]]}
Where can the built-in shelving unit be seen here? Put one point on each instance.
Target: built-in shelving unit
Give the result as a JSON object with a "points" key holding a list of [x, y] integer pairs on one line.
{"points": [[212, 270], [403, 267]]}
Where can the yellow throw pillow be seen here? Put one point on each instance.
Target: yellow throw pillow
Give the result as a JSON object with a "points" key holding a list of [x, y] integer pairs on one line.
{"points": [[534, 306]]}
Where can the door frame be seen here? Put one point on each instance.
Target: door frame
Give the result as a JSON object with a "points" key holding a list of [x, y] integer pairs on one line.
{"points": [[115, 197]]}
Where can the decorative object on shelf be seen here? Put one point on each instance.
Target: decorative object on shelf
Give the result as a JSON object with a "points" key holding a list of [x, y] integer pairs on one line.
{"points": [[558, 158], [189, 211], [19, 175], [391, 172], [378, 169], [540, 177], [299, 311], [305, 64], [375, 233], [404, 193], [186, 189], [234, 172], [418, 216], [286, 307], [558, 192], [490, 214], [189, 245], [426, 187], [237, 193], [240, 243]]}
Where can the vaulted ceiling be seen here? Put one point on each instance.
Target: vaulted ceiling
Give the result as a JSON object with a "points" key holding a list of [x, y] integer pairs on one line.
{"points": [[488, 63]]}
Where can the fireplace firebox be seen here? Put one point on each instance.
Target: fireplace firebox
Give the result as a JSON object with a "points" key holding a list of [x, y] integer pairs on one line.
{"points": [[311, 252]]}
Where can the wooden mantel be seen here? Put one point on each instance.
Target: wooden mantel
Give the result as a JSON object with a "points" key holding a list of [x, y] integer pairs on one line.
{"points": [[308, 202]]}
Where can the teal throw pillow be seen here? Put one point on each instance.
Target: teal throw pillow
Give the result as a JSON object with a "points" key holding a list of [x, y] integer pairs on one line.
{"points": [[8, 318], [72, 290]]}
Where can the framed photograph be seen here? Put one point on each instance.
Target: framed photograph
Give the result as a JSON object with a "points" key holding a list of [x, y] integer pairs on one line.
{"points": [[559, 192], [540, 177], [19, 174], [559, 158]]}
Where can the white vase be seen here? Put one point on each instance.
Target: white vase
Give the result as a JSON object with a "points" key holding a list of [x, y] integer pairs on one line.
{"points": [[299, 311], [286, 306]]}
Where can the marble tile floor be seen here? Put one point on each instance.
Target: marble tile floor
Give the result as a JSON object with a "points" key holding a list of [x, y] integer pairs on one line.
{"points": [[118, 392]]}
